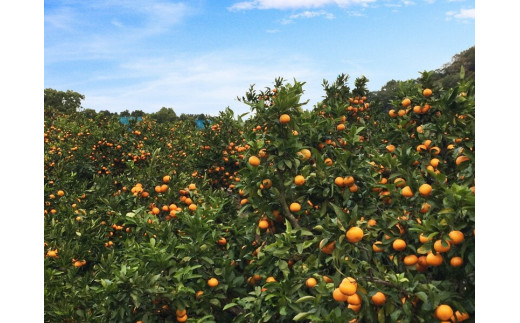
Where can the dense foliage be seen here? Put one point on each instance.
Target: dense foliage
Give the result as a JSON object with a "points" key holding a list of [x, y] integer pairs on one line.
{"points": [[349, 211]]}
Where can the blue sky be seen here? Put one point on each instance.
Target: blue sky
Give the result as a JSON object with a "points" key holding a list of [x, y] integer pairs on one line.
{"points": [[198, 56]]}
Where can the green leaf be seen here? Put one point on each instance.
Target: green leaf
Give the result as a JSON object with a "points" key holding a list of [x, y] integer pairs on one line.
{"points": [[381, 315], [301, 316], [228, 306], [215, 302], [305, 299], [208, 260]]}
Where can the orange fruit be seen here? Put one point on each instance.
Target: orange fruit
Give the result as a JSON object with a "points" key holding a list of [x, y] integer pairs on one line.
{"points": [[270, 280], [78, 263], [456, 261], [295, 207], [164, 188], [392, 113], [407, 191], [299, 180], [355, 308], [180, 312], [425, 108], [222, 241], [440, 247], [378, 299], [406, 102], [401, 112], [434, 259], [354, 299], [390, 148], [254, 161], [425, 189], [347, 288], [459, 317], [354, 234], [328, 248], [328, 162], [427, 92], [263, 224], [183, 318], [425, 207], [192, 207], [340, 127], [348, 181], [435, 150], [434, 162], [267, 183], [198, 294], [443, 312], [399, 182], [212, 282], [339, 296], [166, 179], [339, 181], [399, 245], [456, 237], [311, 282], [375, 246], [410, 260], [353, 188], [461, 159], [423, 238], [371, 222], [305, 153], [421, 148], [327, 279], [285, 118]]}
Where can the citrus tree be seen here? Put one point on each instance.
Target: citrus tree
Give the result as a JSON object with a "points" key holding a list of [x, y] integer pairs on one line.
{"points": [[341, 212]]}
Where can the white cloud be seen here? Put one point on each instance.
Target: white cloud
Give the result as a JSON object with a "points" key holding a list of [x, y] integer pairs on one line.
{"points": [[311, 14], [308, 14], [294, 4], [463, 14], [94, 30], [204, 83], [399, 4]]}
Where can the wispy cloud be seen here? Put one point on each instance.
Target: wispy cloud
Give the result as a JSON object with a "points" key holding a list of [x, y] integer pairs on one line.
{"points": [[462, 14], [91, 30], [206, 83], [294, 4], [308, 14]]}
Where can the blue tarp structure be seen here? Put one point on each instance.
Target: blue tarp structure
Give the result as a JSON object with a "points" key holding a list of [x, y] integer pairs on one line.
{"points": [[126, 120], [200, 123]]}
